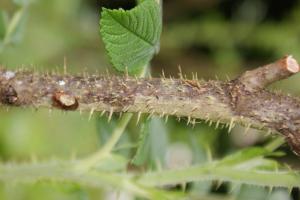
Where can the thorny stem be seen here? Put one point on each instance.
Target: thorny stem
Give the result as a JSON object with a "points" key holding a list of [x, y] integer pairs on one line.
{"points": [[92, 160], [243, 100], [60, 171], [212, 171]]}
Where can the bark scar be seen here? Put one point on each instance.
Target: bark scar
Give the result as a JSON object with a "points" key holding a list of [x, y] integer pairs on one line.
{"points": [[65, 101]]}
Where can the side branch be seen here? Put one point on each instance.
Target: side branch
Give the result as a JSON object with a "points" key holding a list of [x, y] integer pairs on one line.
{"points": [[266, 75], [243, 100]]}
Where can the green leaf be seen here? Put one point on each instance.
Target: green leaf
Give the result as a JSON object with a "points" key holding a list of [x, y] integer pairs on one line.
{"points": [[244, 155], [132, 37], [159, 141], [143, 146]]}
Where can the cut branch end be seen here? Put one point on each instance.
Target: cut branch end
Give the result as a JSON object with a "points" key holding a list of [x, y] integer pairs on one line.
{"points": [[292, 64]]}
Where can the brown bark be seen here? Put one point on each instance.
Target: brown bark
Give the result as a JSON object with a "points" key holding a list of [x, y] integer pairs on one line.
{"points": [[243, 100]]}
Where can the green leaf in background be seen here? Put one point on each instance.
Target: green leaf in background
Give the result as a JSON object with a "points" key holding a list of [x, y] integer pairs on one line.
{"points": [[15, 29], [250, 158], [2, 24], [153, 144], [105, 130], [158, 142], [132, 37], [245, 155], [143, 146]]}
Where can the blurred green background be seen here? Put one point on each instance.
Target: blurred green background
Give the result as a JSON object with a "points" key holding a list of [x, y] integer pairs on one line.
{"points": [[213, 38]]}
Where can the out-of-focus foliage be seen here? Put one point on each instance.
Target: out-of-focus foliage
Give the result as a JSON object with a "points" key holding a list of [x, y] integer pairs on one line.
{"points": [[11, 30], [208, 37]]}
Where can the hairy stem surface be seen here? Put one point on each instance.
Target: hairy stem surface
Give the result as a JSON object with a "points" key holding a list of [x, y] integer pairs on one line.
{"points": [[243, 100]]}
